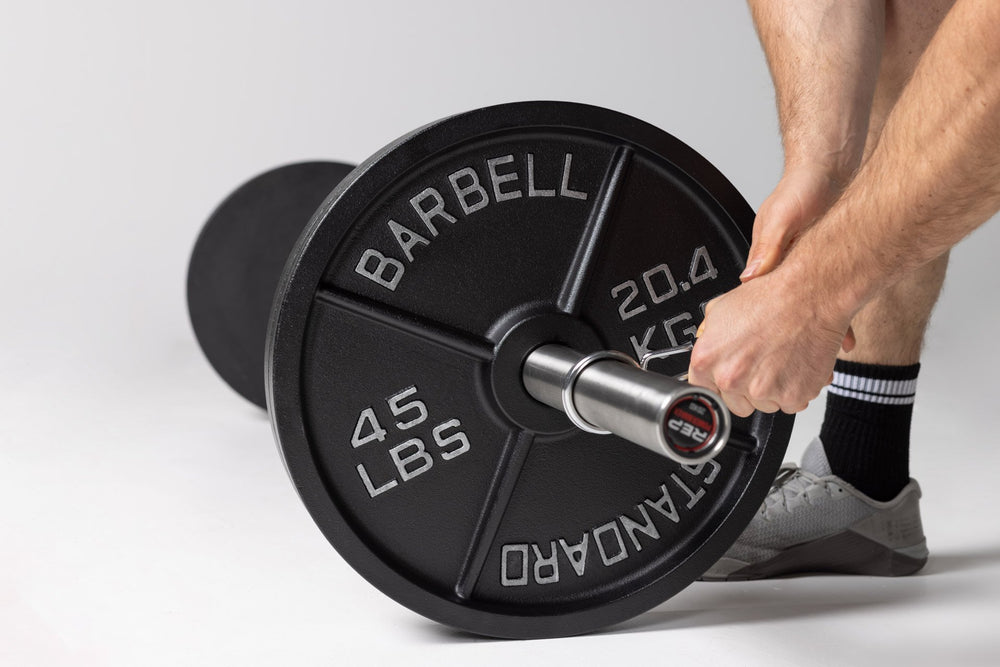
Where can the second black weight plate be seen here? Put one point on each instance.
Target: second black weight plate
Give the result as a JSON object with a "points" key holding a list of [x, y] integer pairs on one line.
{"points": [[237, 261], [395, 347]]}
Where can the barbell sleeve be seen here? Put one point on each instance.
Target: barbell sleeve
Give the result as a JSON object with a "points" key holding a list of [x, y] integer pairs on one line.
{"points": [[606, 392]]}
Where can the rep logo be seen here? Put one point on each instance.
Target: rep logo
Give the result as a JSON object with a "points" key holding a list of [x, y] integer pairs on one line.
{"points": [[691, 424]]}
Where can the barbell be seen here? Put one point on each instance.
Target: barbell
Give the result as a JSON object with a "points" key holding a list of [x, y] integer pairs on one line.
{"points": [[462, 341]]}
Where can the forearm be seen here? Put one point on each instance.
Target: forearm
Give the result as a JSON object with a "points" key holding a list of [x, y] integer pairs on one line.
{"points": [[823, 57], [933, 177]]}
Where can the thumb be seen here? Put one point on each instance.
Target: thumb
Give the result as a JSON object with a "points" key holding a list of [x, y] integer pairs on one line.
{"points": [[792, 207], [769, 240]]}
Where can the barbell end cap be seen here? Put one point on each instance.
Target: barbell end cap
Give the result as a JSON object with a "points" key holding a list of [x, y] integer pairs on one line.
{"points": [[696, 426]]}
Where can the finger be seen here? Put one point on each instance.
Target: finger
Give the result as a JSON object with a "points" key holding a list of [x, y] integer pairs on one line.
{"points": [[765, 405], [779, 220], [694, 378], [708, 308], [738, 404], [770, 238], [697, 379], [711, 304], [793, 408], [760, 261]]}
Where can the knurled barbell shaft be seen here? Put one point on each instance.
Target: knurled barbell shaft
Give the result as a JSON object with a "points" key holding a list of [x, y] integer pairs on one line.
{"points": [[606, 392]]}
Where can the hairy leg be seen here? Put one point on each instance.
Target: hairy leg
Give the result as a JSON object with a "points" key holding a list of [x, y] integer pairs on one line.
{"points": [[890, 328]]}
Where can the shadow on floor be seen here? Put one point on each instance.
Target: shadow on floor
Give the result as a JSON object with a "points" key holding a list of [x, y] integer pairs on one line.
{"points": [[707, 604], [723, 603], [960, 561]]}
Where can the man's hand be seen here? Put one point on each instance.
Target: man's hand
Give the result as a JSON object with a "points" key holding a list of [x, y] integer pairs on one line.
{"points": [[802, 196], [769, 345], [930, 179]]}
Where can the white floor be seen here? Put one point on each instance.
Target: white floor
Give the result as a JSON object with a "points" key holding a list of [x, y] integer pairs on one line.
{"points": [[145, 518], [148, 520]]}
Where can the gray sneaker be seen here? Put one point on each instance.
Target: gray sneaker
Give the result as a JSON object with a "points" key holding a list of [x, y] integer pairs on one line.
{"points": [[812, 521]]}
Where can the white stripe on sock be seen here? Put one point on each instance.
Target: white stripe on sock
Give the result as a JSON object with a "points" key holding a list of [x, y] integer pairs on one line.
{"points": [[871, 398], [872, 386]]}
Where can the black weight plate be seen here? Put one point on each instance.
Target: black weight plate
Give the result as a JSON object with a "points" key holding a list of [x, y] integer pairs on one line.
{"points": [[237, 261], [395, 346]]}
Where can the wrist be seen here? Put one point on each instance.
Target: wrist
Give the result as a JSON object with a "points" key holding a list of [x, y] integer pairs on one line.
{"points": [[836, 153], [836, 173], [829, 281]]}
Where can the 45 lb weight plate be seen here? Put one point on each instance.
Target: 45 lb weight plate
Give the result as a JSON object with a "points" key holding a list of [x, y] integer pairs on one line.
{"points": [[394, 359]]}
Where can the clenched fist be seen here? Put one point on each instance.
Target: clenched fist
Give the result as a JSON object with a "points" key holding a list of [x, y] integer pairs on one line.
{"points": [[770, 344]]}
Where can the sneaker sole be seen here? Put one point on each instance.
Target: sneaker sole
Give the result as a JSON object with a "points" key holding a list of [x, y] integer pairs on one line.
{"points": [[844, 553]]}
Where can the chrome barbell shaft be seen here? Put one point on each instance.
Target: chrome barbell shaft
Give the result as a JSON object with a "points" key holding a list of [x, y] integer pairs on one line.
{"points": [[606, 392]]}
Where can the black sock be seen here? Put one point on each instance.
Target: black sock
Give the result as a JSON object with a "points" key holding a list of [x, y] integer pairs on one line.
{"points": [[866, 430]]}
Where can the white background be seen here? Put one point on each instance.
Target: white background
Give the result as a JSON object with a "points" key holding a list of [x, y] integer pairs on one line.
{"points": [[145, 517]]}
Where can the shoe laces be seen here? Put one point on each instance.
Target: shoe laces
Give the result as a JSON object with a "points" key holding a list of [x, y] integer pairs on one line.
{"points": [[792, 488]]}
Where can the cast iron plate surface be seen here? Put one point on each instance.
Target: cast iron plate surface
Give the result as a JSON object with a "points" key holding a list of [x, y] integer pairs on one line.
{"points": [[237, 261], [439, 481]]}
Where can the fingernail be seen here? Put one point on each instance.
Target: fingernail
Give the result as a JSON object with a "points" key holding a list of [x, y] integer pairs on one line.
{"points": [[750, 270]]}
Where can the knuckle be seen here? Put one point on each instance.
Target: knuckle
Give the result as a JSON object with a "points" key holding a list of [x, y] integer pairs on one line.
{"points": [[788, 399], [759, 388], [732, 376], [780, 213], [698, 365], [724, 381], [792, 401]]}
